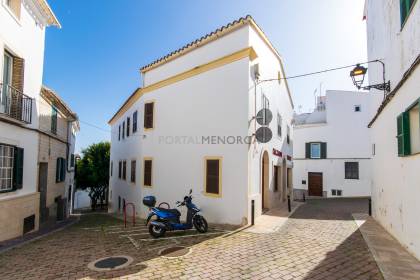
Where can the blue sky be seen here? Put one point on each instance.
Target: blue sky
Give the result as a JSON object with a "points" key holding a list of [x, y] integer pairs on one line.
{"points": [[93, 61]]}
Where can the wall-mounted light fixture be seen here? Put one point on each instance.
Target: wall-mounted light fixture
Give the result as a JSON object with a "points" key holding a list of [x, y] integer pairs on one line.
{"points": [[358, 77]]}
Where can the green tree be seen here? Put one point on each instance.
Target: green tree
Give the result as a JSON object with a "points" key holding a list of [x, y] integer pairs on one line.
{"points": [[92, 172]]}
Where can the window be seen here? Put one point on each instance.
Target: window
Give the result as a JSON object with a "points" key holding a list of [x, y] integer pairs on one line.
{"points": [[405, 9], [279, 124], [119, 169], [128, 127], [119, 132], [60, 170], [135, 122], [72, 160], [357, 108], [111, 167], [408, 130], [148, 169], [123, 130], [316, 150], [14, 7], [54, 120], [288, 134], [148, 115], [351, 170], [11, 168], [133, 171], [124, 172], [213, 175]]}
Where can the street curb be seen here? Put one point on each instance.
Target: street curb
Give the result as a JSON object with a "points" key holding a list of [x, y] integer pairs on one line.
{"points": [[369, 245]]}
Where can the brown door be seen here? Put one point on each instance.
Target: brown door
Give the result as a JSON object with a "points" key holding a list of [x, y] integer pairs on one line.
{"points": [[315, 184]]}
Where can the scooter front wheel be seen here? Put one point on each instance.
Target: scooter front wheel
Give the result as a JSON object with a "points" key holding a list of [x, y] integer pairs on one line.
{"points": [[200, 224], [156, 231]]}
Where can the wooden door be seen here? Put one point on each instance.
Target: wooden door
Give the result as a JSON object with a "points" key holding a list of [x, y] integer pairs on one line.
{"points": [[42, 188], [314, 184]]}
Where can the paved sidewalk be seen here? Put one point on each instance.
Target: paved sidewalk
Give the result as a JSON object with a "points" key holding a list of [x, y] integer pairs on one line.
{"points": [[393, 260], [274, 219], [320, 241]]}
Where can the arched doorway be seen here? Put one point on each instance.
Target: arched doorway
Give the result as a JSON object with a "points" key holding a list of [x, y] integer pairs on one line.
{"points": [[265, 182]]}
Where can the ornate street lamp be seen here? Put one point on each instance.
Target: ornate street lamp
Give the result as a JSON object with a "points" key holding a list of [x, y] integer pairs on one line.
{"points": [[358, 76]]}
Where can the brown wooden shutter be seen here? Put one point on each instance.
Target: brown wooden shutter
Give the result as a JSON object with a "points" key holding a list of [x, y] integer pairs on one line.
{"points": [[212, 176], [124, 170], [18, 72], [147, 180], [133, 171], [148, 115]]}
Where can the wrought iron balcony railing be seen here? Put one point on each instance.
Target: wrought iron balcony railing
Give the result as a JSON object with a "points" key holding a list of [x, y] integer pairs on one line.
{"points": [[15, 104]]}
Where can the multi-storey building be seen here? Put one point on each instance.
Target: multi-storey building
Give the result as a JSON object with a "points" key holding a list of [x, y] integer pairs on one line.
{"points": [[393, 36], [192, 125], [58, 126], [332, 150], [22, 36]]}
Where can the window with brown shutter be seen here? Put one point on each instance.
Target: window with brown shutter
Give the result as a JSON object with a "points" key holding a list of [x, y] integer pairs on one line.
{"points": [[147, 176], [124, 174], [213, 170], [148, 115], [133, 171]]}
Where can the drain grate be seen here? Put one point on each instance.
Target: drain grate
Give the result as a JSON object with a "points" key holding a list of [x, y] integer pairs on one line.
{"points": [[174, 252], [110, 263]]}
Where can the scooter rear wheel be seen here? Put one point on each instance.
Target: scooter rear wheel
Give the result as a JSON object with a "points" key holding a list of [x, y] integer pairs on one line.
{"points": [[156, 231], [200, 224]]}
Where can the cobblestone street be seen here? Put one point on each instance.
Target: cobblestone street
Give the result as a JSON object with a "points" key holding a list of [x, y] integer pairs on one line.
{"points": [[319, 241]]}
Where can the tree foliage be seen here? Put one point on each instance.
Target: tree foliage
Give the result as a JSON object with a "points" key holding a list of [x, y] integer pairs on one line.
{"points": [[93, 172]]}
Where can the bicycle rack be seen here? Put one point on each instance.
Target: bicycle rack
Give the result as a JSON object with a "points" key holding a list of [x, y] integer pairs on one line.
{"points": [[125, 214]]}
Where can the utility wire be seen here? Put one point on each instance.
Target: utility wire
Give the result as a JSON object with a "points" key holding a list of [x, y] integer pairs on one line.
{"points": [[260, 81]]}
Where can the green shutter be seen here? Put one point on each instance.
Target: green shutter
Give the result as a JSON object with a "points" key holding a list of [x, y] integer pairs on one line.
{"points": [[63, 169], [400, 135], [406, 133], [403, 134], [323, 150], [57, 170], [307, 150], [18, 168]]}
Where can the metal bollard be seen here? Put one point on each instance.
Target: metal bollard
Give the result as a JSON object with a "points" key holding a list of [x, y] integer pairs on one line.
{"points": [[252, 212], [304, 197], [289, 206], [370, 206]]}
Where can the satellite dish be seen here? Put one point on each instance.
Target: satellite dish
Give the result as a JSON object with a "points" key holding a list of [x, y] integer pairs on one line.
{"points": [[263, 134], [264, 117]]}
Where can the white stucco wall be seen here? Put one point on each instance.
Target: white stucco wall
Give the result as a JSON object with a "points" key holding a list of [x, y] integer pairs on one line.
{"points": [[219, 102], [277, 94], [347, 136], [395, 188], [23, 38]]}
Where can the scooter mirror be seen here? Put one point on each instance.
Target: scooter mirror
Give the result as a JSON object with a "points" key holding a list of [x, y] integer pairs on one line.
{"points": [[190, 191]]}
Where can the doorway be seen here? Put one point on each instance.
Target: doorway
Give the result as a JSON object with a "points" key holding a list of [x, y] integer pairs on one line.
{"points": [[265, 182], [315, 184], [42, 189]]}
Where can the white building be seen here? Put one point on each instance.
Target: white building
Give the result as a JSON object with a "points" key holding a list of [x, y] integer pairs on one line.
{"points": [[188, 127], [394, 37], [332, 150], [22, 36]]}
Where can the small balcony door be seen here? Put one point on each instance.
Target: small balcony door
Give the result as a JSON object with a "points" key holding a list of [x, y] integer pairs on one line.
{"points": [[7, 81]]}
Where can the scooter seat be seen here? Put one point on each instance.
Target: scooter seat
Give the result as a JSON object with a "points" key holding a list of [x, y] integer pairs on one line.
{"points": [[172, 211]]}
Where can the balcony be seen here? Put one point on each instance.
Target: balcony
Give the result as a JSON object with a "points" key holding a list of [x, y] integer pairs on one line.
{"points": [[15, 104]]}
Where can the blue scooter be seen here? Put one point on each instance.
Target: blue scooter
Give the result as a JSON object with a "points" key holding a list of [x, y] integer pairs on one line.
{"points": [[169, 219]]}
